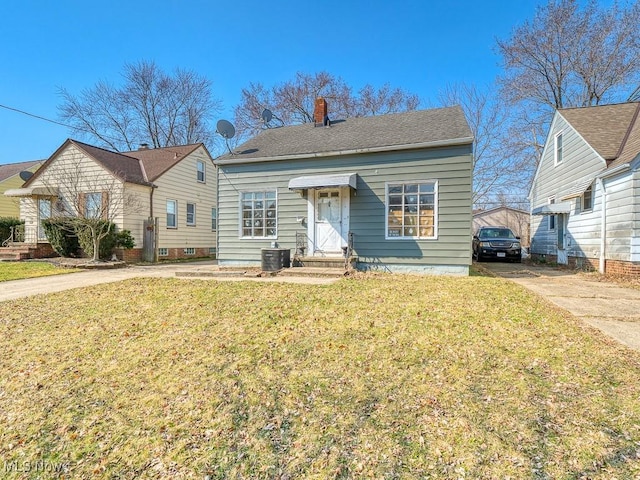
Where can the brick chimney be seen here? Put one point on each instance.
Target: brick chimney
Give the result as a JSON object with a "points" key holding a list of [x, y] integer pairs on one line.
{"points": [[320, 111]]}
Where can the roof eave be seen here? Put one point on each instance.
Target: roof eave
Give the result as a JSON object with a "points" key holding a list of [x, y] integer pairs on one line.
{"points": [[614, 170], [389, 148]]}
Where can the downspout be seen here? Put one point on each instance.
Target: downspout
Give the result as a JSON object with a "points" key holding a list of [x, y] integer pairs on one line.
{"points": [[603, 227], [153, 187]]}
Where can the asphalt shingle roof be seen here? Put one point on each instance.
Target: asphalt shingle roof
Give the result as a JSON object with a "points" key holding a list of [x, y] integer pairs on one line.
{"points": [[138, 166], [612, 130], [156, 161], [401, 130], [11, 169]]}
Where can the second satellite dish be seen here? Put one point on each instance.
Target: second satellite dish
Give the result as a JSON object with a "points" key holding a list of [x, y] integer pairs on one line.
{"points": [[25, 175], [226, 129], [267, 115]]}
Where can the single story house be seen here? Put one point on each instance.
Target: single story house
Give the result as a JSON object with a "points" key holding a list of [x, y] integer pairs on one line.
{"points": [[391, 191], [514, 218], [9, 179], [585, 196], [166, 197]]}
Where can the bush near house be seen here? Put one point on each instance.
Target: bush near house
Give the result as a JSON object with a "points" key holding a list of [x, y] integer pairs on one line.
{"points": [[69, 241], [113, 240], [61, 236], [5, 227]]}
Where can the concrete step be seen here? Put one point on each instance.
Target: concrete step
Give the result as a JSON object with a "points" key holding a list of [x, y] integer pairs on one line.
{"points": [[316, 271], [322, 262], [15, 253]]}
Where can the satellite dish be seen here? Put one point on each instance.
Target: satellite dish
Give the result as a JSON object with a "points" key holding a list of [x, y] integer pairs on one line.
{"points": [[267, 115], [25, 175], [226, 129]]}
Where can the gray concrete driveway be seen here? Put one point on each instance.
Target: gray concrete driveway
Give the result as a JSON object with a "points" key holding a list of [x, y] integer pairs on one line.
{"points": [[612, 309]]}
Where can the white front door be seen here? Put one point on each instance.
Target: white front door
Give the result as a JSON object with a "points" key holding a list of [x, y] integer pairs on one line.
{"points": [[328, 221]]}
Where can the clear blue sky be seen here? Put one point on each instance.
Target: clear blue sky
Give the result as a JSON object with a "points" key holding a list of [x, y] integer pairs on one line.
{"points": [[419, 45]]}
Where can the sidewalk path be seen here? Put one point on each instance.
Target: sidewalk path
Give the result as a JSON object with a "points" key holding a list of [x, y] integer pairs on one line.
{"points": [[56, 283], [612, 309]]}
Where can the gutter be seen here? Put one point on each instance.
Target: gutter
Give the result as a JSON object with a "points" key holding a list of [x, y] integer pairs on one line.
{"points": [[619, 169], [603, 227], [388, 148]]}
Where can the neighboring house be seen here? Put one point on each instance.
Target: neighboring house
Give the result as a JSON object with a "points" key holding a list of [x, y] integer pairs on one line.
{"points": [[175, 185], [10, 179], [392, 190], [585, 196], [515, 219]]}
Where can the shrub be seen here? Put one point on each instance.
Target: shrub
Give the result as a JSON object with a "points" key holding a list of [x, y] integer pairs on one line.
{"points": [[5, 227], [125, 240], [107, 243], [61, 235]]}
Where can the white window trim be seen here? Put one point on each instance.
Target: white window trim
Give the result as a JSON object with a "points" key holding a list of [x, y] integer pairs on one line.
{"points": [[163, 252], [240, 236], [582, 207], [435, 213], [175, 202], [193, 223], [204, 171], [214, 228], [555, 148]]}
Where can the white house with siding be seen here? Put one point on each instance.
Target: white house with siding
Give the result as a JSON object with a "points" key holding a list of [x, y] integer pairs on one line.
{"points": [[392, 192], [170, 192], [585, 196]]}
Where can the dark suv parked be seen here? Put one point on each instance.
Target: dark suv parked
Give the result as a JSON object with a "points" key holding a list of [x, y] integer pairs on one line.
{"points": [[496, 243]]}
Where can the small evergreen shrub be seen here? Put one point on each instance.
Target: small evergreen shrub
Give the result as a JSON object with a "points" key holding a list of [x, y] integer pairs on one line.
{"points": [[61, 235], [125, 240]]}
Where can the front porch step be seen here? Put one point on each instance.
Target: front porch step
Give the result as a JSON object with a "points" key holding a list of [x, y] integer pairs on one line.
{"points": [[323, 262], [324, 272], [16, 253]]}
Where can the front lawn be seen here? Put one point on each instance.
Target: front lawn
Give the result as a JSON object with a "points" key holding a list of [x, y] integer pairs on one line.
{"points": [[20, 270], [372, 377]]}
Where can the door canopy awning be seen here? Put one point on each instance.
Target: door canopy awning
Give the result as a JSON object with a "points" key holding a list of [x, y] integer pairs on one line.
{"points": [[553, 209], [32, 191], [324, 181]]}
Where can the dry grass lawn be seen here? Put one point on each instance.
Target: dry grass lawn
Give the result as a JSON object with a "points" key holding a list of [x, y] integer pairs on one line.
{"points": [[372, 377], [20, 270]]}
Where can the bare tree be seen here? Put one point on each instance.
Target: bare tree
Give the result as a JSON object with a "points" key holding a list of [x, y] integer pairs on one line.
{"points": [[569, 56], [372, 101], [150, 107], [495, 173], [292, 102], [91, 200]]}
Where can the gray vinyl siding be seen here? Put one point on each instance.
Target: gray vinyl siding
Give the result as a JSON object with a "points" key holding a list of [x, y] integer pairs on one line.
{"points": [[620, 217], [450, 167], [583, 229], [580, 163]]}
